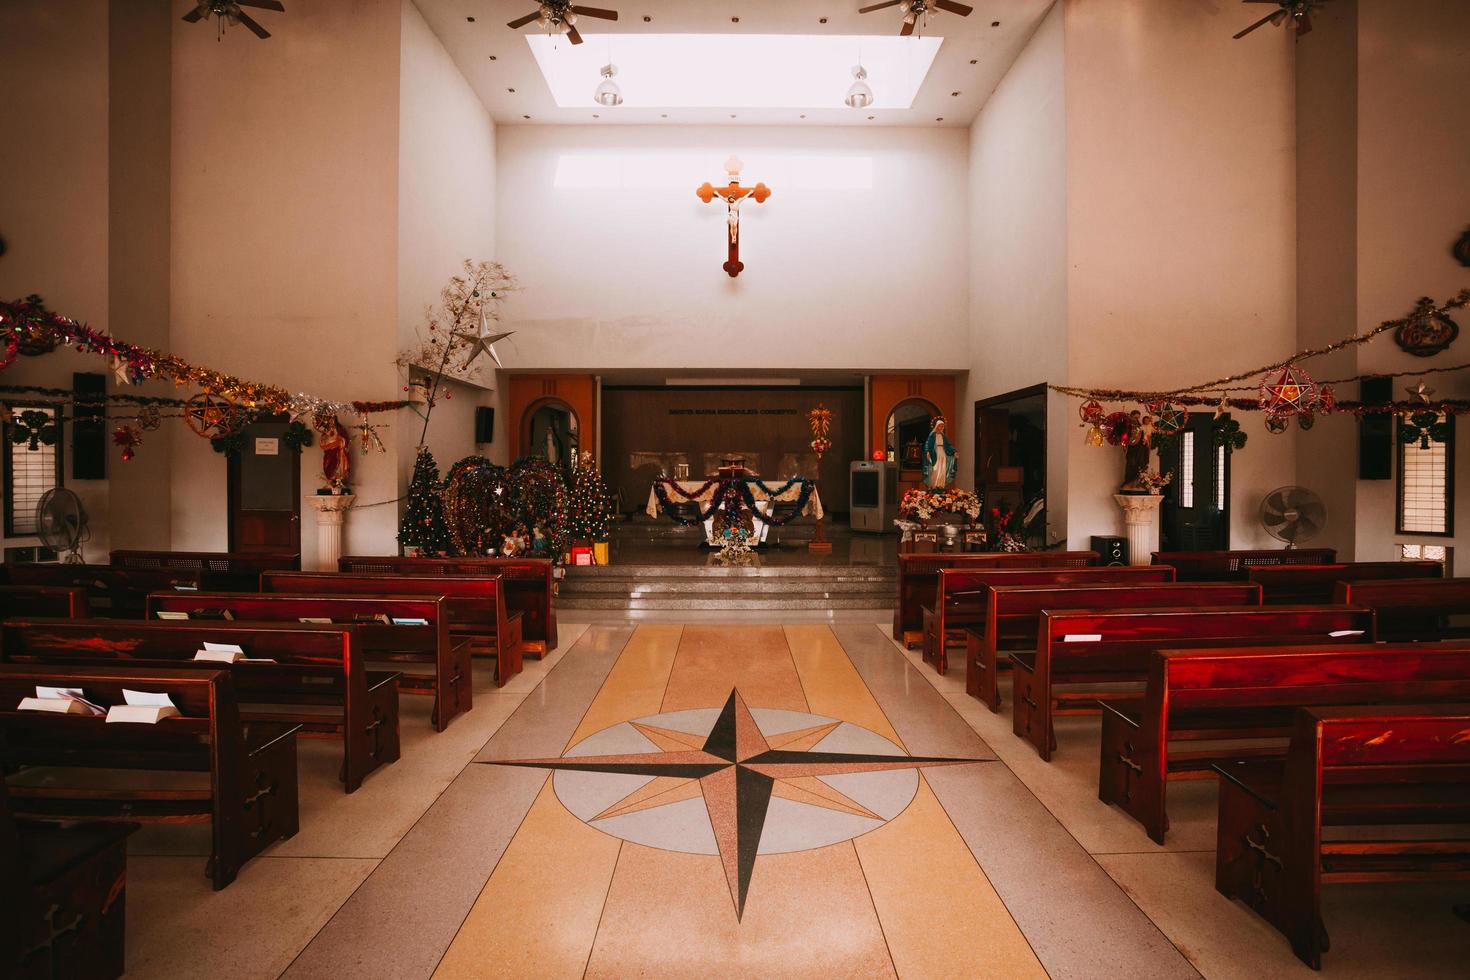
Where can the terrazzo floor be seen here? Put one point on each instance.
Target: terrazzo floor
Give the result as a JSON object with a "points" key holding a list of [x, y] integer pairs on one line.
{"points": [[737, 798]]}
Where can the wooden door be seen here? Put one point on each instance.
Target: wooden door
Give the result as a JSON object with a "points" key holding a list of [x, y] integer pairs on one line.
{"points": [[1196, 508], [265, 492]]}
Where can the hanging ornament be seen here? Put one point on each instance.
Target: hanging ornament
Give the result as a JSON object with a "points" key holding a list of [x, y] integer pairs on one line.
{"points": [[1227, 433], [149, 418], [1276, 424], [1167, 419], [1426, 332], [208, 414], [34, 429], [368, 433], [122, 371], [1091, 412], [1305, 420], [1422, 427], [129, 439], [1121, 429], [1292, 392], [1094, 436], [1421, 392], [1326, 400]]}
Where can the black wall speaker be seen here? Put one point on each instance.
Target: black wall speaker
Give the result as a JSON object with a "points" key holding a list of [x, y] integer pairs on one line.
{"points": [[1111, 550], [89, 427], [484, 424], [1375, 431]]}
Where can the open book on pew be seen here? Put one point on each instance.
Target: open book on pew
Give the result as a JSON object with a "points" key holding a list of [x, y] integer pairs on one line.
{"points": [[213, 612], [142, 708], [172, 614], [315, 620], [372, 618], [61, 701], [227, 653]]}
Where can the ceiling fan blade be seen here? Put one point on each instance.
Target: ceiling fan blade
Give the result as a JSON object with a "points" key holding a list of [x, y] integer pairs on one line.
{"points": [[275, 5], [954, 8], [194, 15], [1260, 23], [879, 6], [573, 35], [908, 28], [1304, 23], [595, 12], [520, 22], [255, 28]]}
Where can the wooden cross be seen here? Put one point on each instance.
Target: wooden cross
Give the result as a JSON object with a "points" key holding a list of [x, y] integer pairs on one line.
{"points": [[733, 195]]}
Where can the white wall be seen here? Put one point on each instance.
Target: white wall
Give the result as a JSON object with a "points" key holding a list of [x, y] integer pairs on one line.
{"points": [[285, 236], [1413, 144], [1181, 203], [857, 261], [446, 214], [1018, 245]]}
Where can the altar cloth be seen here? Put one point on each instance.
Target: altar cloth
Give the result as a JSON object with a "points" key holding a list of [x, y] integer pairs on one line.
{"points": [[704, 491]]}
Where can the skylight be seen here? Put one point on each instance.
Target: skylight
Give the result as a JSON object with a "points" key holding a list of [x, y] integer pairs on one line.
{"points": [[734, 71]]}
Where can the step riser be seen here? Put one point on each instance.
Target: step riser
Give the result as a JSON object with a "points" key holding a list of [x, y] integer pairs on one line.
{"points": [[645, 603], [714, 589]]}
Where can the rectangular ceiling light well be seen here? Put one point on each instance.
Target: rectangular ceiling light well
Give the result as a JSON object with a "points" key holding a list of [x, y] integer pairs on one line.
{"points": [[734, 71]]}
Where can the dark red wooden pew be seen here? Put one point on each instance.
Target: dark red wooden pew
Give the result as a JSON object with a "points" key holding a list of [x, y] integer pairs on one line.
{"points": [[1415, 609], [1298, 584], [918, 580], [1234, 566]]}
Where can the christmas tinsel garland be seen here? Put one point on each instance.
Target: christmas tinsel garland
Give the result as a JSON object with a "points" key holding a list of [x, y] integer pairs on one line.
{"points": [[731, 493]]}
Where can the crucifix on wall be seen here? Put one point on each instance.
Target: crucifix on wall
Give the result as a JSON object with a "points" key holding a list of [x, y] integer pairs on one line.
{"points": [[733, 195]]}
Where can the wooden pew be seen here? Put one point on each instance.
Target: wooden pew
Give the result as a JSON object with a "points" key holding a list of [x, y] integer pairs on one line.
{"points": [[431, 644], [530, 587], [43, 600], [1299, 584], [1230, 695], [249, 800], [959, 599], [1345, 767], [1413, 609], [219, 571], [119, 593], [1067, 653], [476, 605], [315, 666], [1013, 617], [63, 892], [918, 580], [1235, 566]]}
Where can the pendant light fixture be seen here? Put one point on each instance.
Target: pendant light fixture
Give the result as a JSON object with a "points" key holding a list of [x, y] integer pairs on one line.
{"points": [[608, 93], [859, 93]]}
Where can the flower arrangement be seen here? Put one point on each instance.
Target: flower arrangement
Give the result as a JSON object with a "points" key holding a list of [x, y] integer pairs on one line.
{"points": [[1150, 481], [924, 503]]}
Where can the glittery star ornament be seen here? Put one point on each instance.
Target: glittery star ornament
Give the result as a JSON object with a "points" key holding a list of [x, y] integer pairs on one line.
{"points": [[482, 341]]}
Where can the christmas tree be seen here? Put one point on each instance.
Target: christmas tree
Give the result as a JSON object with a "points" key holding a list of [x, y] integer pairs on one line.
{"points": [[589, 505], [423, 521]]}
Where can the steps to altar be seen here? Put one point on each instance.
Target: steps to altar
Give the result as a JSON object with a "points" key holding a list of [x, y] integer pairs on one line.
{"points": [[713, 587]]}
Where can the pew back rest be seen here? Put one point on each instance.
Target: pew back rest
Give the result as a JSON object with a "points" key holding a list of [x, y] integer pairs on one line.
{"points": [[1265, 676], [476, 600], [118, 591], [966, 586], [528, 583], [222, 570], [918, 576], [288, 607], [1317, 583], [1130, 632], [1015, 610], [1413, 608], [110, 641], [1224, 566], [42, 600]]}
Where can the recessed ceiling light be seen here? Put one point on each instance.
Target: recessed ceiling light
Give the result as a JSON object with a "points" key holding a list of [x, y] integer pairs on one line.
{"points": [[470, 19], [663, 115], [525, 117], [734, 20], [596, 116], [936, 118], [511, 90], [872, 117], [974, 61], [822, 20], [732, 115], [647, 19], [995, 23], [712, 71], [954, 93], [492, 57], [803, 115]]}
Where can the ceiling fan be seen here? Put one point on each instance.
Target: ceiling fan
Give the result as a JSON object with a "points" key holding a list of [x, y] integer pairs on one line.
{"points": [[229, 12], [1297, 13], [915, 10], [561, 16]]}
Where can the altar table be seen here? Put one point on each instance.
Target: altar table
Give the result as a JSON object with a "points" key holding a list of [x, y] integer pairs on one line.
{"points": [[704, 492]]}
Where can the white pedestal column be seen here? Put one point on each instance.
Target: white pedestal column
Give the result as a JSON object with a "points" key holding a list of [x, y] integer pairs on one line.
{"points": [[1141, 522], [331, 514]]}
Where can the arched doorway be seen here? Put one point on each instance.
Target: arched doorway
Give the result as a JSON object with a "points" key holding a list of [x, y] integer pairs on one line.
{"points": [[908, 426], [550, 430]]}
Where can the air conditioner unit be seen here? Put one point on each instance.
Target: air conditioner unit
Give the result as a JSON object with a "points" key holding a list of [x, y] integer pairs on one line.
{"points": [[872, 495]]}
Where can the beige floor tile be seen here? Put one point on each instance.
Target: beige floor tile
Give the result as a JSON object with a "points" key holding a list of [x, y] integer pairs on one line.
{"points": [[1404, 931], [177, 926]]}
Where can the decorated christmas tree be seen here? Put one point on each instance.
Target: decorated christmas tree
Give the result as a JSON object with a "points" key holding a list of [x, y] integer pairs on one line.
{"points": [[589, 504], [423, 521]]}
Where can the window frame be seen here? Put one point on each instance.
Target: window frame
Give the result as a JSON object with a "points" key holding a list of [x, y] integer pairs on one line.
{"points": [[9, 461], [1449, 483]]}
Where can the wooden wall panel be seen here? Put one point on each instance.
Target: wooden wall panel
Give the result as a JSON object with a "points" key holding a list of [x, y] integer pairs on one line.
{"points": [[529, 391]]}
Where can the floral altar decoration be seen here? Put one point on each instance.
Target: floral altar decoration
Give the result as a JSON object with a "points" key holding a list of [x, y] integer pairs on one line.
{"points": [[923, 503]]}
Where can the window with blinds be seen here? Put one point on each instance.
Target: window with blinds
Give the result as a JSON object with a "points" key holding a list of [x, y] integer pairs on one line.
{"points": [[29, 473], [1426, 502]]}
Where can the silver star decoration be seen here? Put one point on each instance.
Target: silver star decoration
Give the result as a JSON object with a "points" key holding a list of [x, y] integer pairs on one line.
{"points": [[483, 341], [1421, 391], [121, 371]]}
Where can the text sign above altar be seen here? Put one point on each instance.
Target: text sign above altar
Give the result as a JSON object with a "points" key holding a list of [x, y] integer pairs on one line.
{"points": [[732, 411]]}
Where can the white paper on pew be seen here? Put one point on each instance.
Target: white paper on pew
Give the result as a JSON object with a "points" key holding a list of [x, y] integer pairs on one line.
{"points": [[218, 656], [140, 714], [1082, 638], [222, 647], [53, 693], [315, 620], [1338, 634], [171, 614], [146, 699], [409, 621]]}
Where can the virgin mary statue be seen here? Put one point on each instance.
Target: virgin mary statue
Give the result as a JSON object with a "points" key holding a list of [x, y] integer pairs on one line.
{"points": [[939, 457]]}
